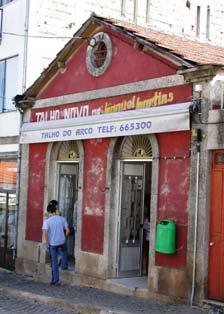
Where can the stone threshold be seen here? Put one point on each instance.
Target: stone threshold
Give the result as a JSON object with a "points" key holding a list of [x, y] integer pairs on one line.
{"points": [[213, 303]]}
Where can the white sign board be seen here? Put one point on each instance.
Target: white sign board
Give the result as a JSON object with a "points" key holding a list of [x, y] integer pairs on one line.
{"points": [[126, 123]]}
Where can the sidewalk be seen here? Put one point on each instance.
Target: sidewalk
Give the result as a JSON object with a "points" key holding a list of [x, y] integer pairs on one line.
{"points": [[85, 299]]}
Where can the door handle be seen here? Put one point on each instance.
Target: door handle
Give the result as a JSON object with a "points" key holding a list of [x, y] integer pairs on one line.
{"points": [[211, 243]]}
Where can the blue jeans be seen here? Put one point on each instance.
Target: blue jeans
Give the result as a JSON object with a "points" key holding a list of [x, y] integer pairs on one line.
{"points": [[54, 253], [63, 253]]}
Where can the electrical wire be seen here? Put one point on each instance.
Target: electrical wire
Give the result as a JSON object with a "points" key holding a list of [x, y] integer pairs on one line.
{"points": [[45, 37]]}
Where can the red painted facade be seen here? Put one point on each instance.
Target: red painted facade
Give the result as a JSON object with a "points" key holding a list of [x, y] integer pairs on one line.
{"points": [[95, 166], [37, 162], [173, 189], [77, 78]]}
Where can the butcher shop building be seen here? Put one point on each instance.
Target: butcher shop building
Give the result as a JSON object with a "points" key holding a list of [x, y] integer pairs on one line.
{"points": [[125, 129]]}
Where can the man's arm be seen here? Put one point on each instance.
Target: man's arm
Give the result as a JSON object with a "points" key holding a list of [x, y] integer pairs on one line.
{"points": [[45, 236], [66, 228], [67, 231]]}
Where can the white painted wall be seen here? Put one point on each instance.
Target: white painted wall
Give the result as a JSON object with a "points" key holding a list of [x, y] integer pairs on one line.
{"points": [[9, 124], [175, 17], [64, 18], [48, 18]]}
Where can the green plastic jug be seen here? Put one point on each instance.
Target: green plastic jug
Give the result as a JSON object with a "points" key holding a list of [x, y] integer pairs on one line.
{"points": [[166, 237]]}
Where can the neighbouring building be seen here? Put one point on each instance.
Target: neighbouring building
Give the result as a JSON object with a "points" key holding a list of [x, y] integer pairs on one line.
{"points": [[24, 53], [125, 124]]}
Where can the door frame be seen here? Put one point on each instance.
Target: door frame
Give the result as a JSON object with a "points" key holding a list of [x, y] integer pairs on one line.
{"points": [[51, 184], [114, 199], [76, 164], [118, 225]]}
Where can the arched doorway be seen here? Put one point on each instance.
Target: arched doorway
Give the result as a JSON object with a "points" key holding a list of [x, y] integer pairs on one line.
{"points": [[67, 189], [134, 206]]}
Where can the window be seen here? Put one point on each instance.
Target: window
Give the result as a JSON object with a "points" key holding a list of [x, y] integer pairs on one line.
{"points": [[208, 23], [99, 55], [135, 15], [123, 7], [3, 2], [148, 11], [8, 83], [198, 21], [188, 4], [1, 21], [130, 9], [8, 172]]}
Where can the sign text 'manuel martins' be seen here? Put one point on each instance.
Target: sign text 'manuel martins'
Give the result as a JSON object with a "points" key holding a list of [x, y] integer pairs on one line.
{"points": [[131, 102]]}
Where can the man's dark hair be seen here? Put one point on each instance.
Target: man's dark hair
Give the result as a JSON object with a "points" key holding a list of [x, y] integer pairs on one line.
{"points": [[54, 202], [51, 208]]}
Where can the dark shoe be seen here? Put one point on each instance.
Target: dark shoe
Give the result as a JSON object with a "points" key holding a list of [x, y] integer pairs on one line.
{"points": [[65, 268], [57, 283]]}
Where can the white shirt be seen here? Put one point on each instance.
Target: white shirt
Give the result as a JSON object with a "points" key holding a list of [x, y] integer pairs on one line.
{"points": [[55, 226]]}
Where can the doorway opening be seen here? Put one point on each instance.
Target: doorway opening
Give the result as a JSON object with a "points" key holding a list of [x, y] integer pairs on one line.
{"points": [[67, 191], [134, 219], [67, 200], [7, 228], [8, 213], [134, 209]]}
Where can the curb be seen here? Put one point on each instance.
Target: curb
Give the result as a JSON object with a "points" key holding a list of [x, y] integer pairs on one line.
{"points": [[81, 307]]}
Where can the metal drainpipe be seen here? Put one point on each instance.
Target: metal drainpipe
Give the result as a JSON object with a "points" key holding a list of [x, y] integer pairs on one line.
{"points": [[195, 225], [25, 52], [26, 28]]}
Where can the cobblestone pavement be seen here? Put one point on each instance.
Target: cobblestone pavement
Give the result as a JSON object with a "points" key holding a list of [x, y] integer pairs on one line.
{"points": [[77, 295], [11, 305]]}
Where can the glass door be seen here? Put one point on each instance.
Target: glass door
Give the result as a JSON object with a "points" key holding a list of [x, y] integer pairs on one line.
{"points": [[68, 193], [131, 219], [7, 228]]}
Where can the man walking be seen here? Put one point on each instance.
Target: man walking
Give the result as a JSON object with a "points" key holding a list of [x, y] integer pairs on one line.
{"points": [[55, 230]]}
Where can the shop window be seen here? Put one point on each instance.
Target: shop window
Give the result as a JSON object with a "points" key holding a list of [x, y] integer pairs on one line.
{"points": [[8, 83], [136, 147], [8, 171]]}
